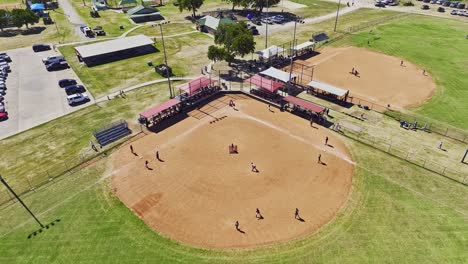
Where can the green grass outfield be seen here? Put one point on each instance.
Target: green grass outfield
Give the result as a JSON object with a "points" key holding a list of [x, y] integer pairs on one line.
{"points": [[435, 44], [397, 214]]}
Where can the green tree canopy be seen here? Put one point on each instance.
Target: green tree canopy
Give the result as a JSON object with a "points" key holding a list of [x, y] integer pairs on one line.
{"points": [[260, 4], [243, 3], [235, 38], [25, 17], [193, 5], [4, 14]]}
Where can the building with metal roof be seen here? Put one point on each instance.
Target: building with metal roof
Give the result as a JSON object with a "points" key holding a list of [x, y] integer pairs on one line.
{"points": [[210, 24], [116, 49], [142, 13]]}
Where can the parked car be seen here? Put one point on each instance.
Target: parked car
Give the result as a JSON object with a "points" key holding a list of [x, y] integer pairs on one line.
{"points": [[454, 4], [426, 1], [446, 3], [278, 19], [433, 1], [77, 99], [461, 6], [5, 56], [440, 9], [267, 20], [40, 47], [2, 92], [439, 2], [425, 7], [379, 4], [66, 82], [74, 89], [57, 65], [5, 66], [51, 57], [54, 60], [3, 116], [454, 12]]}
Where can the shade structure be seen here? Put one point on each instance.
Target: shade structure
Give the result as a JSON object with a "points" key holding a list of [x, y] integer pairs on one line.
{"points": [[35, 7], [278, 74], [196, 84], [159, 108], [264, 83], [303, 45], [328, 88], [270, 52], [304, 104]]}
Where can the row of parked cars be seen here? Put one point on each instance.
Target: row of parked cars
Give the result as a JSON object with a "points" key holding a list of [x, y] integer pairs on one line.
{"points": [[446, 3], [91, 33], [383, 3], [76, 93], [4, 70]]}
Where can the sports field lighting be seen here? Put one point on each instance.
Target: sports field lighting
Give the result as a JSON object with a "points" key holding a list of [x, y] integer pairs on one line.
{"points": [[337, 12], [293, 46], [266, 26], [165, 57], [21, 201]]}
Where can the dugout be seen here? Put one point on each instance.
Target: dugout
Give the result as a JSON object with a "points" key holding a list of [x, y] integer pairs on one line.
{"points": [[266, 88], [279, 75], [160, 112], [304, 108], [327, 91], [113, 50], [198, 90], [304, 48], [270, 53]]}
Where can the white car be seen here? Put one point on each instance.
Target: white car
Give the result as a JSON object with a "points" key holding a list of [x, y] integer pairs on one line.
{"points": [[52, 57], [77, 98]]}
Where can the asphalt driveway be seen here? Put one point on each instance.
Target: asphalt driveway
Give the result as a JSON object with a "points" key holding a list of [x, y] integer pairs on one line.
{"points": [[33, 96]]}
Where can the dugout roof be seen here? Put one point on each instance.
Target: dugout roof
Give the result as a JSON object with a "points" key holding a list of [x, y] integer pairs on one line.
{"points": [[196, 84], [303, 45], [304, 104], [328, 88], [159, 108], [270, 52], [278, 74], [264, 83]]}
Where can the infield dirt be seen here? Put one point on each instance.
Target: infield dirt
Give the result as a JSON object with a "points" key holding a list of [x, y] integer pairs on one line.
{"points": [[199, 190]]}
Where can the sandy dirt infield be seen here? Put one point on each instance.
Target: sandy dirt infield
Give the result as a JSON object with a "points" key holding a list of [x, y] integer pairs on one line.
{"points": [[382, 80], [199, 190]]}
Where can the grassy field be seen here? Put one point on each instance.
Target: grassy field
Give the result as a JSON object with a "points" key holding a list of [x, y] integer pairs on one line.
{"points": [[304, 32], [59, 33], [442, 53], [186, 56], [168, 30], [396, 213], [109, 20], [40, 149], [9, 2]]}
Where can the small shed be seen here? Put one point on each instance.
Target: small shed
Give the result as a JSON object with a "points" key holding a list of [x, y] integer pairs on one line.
{"points": [[142, 13], [210, 24]]}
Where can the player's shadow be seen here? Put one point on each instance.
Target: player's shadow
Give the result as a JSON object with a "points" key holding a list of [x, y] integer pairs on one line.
{"points": [[323, 163], [240, 231], [300, 219], [135, 154], [149, 168], [260, 217], [331, 146], [160, 160]]}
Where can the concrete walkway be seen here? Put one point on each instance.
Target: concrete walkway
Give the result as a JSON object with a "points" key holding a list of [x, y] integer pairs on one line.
{"points": [[72, 16]]}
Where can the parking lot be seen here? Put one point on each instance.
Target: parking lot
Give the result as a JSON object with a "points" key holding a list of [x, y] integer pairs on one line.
{"points": [[33, 96]]}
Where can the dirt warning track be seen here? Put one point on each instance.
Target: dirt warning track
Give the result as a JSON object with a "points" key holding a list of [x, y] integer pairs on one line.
{"points": [[198, 191]]}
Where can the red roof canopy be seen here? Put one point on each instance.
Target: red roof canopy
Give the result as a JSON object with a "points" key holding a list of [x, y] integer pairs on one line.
{"points": [[304, 104], [264, 83], [159, 108], [196, 84]]}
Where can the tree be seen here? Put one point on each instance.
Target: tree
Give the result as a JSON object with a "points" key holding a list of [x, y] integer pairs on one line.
{"points": [[216, 53], [236, 38], [190, 5], [243, 3], [260, 4], [22, 17], [4, 14]]}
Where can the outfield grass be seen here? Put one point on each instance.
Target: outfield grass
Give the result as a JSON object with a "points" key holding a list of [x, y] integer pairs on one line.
{"points": [[186, 55], [168, 30], [437, 45], [396, 213], [60, 32]]}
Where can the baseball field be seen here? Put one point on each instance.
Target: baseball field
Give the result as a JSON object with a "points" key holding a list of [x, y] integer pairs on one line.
{"points": [[357, 205]]}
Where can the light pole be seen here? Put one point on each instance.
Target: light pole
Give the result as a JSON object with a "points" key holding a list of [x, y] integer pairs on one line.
{"points": [[266, 24], [165, 59], [337, 11], [297, 19], [21, 201]]}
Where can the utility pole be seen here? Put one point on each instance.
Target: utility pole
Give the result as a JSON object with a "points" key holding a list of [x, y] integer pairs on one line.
{"points": [[165, 59], [21, 201], [337, 11], [266, 24]]}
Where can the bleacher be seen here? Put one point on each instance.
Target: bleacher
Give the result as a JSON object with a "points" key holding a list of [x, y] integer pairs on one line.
{"points": [[112, 132]]}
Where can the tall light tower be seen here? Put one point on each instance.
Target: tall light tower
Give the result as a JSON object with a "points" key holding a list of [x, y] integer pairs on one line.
{"points": [[296, 20], [337, 12], [165, 58], [266, 24]]}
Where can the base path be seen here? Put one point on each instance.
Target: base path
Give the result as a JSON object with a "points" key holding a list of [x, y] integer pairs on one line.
{"points": [[381, 79], [199, 190]]}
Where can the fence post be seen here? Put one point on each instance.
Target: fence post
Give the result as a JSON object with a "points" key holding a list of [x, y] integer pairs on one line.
{"points": [[424, 164], [443, 172], [446, 131], [390, 146]]}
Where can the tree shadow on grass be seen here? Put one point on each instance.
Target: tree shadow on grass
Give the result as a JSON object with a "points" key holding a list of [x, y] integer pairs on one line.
{"points": [[25, 32]]}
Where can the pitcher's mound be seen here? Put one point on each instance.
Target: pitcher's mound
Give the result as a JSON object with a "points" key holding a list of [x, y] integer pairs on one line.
{"points": [[199, 190]]}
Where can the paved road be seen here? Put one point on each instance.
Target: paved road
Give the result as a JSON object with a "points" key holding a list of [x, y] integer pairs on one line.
{"points": [[72, 16], [33, 96]]}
